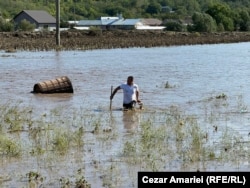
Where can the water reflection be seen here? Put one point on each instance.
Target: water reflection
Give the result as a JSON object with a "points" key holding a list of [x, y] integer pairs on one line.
{"points": [[54, 97], [131, 120]]}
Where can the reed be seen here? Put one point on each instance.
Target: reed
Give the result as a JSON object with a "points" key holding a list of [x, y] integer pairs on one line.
{"points": [[167, 139]]}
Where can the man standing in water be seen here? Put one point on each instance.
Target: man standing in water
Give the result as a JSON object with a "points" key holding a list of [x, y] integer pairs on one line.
{"points": [[130, 94]]}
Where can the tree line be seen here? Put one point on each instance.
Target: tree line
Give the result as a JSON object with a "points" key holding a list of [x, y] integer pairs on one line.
{"points": [[206, 15]]}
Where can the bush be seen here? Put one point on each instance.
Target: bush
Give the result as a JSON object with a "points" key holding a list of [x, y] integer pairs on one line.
{"points": [[26, 26], [174, 26], [203, 22], [5, 26]]}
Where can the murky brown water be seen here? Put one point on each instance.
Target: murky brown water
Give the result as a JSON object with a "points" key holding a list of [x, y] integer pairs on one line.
{"points": [[196, 75]]}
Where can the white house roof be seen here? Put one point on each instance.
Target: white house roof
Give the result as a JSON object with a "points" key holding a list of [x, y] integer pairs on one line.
{"points": [[109, 18], [108, 21], [89, 22], [126, 22], [152, 24]]}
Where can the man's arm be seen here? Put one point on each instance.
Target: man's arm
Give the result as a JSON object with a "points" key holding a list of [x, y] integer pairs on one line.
{"points": [[137, 96], [114, 92]]}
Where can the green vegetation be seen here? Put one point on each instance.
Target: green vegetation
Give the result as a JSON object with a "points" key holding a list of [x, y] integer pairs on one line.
{"points": [[163, 139], [26, 26], [207, 15]]}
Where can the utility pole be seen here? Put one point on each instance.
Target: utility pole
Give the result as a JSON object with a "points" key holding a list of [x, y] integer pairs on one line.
{"points": [[74, 12], [58, 22]]}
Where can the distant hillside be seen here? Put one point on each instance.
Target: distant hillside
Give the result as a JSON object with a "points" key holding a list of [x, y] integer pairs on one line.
{"points": [[92, 9]]}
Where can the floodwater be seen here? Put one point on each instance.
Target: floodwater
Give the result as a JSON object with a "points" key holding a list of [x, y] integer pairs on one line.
{"points": [[185, 77]]}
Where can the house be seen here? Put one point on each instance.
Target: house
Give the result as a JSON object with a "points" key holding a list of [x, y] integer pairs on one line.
{"points": [[150, 24], [151, 21], [41, 19], [111, 23], [125, 24]]}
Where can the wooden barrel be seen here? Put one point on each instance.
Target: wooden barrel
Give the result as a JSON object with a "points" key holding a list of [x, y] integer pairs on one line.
{"points": [[57, 85]]}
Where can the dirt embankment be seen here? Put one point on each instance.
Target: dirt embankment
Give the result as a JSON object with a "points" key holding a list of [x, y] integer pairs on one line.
{"points": [[87, 40]]}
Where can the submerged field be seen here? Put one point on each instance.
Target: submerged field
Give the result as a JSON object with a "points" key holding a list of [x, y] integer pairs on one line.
{"points": [[195, 118], [89, 149]]}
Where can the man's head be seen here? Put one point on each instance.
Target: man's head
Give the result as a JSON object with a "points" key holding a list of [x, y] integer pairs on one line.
{"points": [[130, 80]]}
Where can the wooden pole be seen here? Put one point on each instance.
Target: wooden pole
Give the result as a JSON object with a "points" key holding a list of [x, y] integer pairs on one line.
{"points": [[110, 105], [58, 22]]}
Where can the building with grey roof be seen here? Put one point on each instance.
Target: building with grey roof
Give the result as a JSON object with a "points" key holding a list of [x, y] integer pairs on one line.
{"points": [[111, 23], [41, 19]]}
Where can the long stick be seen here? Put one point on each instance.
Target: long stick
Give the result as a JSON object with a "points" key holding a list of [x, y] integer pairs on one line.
{"points": [[110, 105]]}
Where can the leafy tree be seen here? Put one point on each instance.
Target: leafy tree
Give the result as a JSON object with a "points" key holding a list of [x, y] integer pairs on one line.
{"points": [[220, 27], [113, 11], [26, 26], [181, 10], [243, 21], [5, 25], [192, 6], [153, 8], [222, 14], [227, 23], [174, 26], [203, 22]]}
